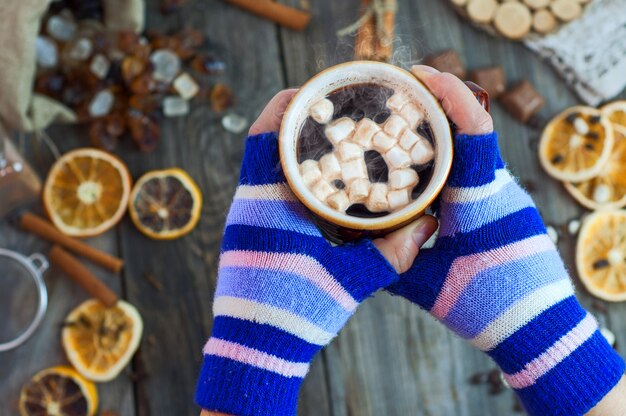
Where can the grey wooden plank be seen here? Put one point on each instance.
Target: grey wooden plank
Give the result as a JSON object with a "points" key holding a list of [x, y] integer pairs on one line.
{"points": [[178, 319], [391, 358], [44, 348]]}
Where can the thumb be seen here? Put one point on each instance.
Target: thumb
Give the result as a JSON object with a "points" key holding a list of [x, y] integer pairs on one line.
{"points": [[402, 246]]}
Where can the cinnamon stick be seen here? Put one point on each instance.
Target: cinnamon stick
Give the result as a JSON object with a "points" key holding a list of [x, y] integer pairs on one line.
{"points": [[81, 275], [364, 44], [44, 229], [279, 13], [384, 45]]}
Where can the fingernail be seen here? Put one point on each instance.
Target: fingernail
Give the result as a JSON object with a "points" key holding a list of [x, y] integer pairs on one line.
{"points": [[425, 228], [424, 69]]}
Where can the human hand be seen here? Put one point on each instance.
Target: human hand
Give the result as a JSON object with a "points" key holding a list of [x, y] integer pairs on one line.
{"points": [[283, 291], [494, 277]]}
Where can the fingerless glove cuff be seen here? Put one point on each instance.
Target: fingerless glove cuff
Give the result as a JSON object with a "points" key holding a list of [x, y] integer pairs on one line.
{"points": [[235, 388], [559, 363], [577, 383]]}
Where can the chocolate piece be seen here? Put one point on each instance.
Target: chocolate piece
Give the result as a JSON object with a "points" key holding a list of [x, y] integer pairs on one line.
{"points": [[522, 101], [492, 79], [447, 61]]}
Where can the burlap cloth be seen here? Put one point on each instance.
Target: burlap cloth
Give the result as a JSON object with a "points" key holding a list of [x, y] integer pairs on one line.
{"points": [[590, 53], [20, 108]]}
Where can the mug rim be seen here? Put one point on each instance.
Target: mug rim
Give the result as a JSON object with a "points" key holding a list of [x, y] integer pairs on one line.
{"points": [[390, 221]]}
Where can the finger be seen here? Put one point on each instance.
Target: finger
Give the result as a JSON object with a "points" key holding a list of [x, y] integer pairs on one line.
{"points": [[272, 114], [457, 100], [402, 246]]}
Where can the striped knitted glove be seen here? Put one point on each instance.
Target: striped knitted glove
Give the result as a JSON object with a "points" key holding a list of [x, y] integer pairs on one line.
{"points": [[282, 293], [494, 277]]}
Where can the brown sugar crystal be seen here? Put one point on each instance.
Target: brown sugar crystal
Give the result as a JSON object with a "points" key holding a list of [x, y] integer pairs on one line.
{"points": [[447, 61], [492, 79], [522, 101]]}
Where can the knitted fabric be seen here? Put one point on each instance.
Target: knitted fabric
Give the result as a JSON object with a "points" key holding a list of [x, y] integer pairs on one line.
{"points": [[282, 294], [495, 278]]}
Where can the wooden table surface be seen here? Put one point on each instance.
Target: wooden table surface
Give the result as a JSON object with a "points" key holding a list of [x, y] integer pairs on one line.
{"points": [[391, 359]]}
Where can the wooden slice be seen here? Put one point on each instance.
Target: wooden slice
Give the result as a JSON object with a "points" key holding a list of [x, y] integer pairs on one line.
{"points": [[544, 21], [566, 10], [537, 4], [513, 20], [482, 11]]}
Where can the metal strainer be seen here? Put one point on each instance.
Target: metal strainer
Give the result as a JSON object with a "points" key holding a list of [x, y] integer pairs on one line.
{"points": [[23, 296]]}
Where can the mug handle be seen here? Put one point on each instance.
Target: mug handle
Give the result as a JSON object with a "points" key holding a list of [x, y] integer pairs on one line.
{"points": [[479, 92]]}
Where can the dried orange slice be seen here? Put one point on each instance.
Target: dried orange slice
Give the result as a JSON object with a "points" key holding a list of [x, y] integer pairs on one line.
{"points": [[58, 391], [576, 144], [616, 112], [608, 189], [86, 192], [100, 341], [601, 255], [165, 204]]}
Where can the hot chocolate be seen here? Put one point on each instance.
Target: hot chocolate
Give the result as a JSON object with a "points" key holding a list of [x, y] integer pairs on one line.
{"points": [[366, 150]]}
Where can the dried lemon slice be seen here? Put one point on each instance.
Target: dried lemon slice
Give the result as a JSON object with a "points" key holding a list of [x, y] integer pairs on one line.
{"points": [[86, 192], [601, 255], [608, 189], [100, 341], [576, 144], [616, 112], [165, 204], [58, 391]]}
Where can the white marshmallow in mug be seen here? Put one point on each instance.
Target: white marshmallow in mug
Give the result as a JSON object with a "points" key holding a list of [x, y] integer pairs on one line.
{"points": [[397, 158], [349, 151], [412, 115], [359, 191], [403, 178], [322, 190], [383, 142], [365, 131], [339, 201], [310, 172], [397, 101], [353, 170], [340, 130], [395, 125], [322, 111], [398, 198], [330, 167], [408, 139], [377, 199], [422, 152]]}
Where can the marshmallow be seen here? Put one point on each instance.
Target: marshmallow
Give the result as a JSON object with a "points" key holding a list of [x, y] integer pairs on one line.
{"points": [[310, 172], [359, 190], [322, 190], [412, 115], [340, 130], [408, 139], [395, 125], [397, 158], [382, 142], [365, 131], [349, 151], [377, 200], [353, 170], [581, 126], [403, 178], [398, 198], [322, 111], [339, 201], [397, 101], [330, 167], [422, 152]]}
